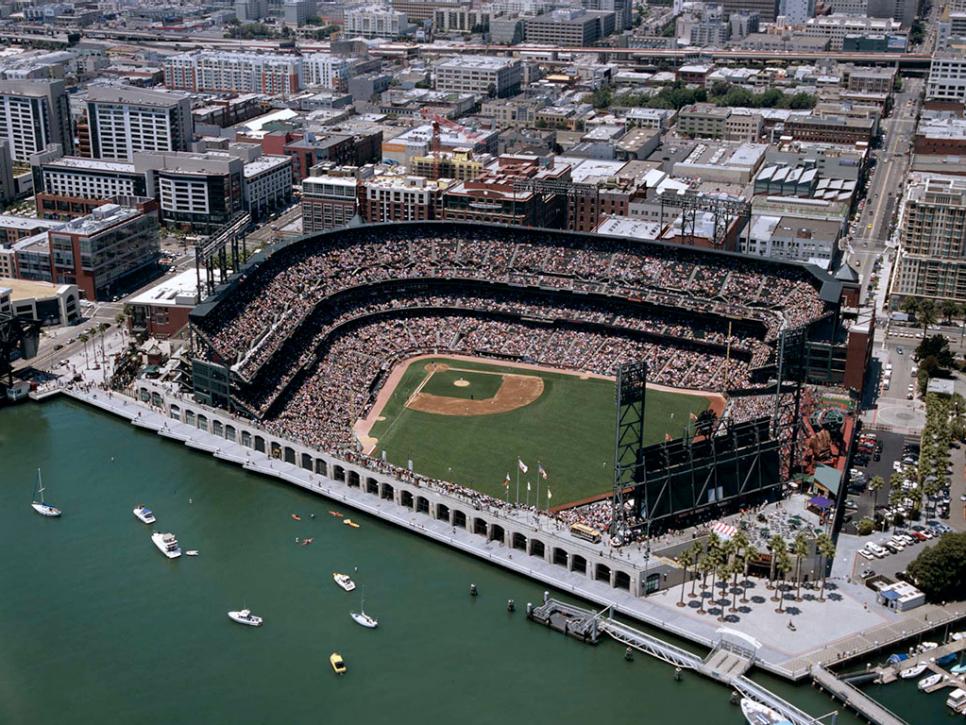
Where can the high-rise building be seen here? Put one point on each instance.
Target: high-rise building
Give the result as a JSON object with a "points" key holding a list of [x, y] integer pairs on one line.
{"points": [[570, 27], [796, 11], [250, 11], [377, 22], [68, 187], [329, 71], [932, 240], [122, 120], [328, 202], [33, 115], [216, 71], [767, 9]]}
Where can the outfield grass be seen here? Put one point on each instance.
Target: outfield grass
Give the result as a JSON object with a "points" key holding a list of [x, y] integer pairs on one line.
{"points": [[570, 429], [481, 385]]}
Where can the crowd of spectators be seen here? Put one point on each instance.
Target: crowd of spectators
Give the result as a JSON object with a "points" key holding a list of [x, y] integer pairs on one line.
{"points": [[263, 310]]}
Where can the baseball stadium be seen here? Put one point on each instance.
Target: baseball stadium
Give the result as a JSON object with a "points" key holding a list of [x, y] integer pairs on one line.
{"points": [[486, 358]]}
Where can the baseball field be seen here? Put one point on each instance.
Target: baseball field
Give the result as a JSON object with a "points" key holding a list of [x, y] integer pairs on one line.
{"points": [[468, 421]]}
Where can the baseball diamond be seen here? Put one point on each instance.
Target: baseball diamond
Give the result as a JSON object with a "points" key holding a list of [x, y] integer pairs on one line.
{"points": [[473, 433]]}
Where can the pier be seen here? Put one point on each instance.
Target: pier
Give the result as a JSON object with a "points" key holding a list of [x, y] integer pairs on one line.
{"points": [[732, 655], [854, 698]]}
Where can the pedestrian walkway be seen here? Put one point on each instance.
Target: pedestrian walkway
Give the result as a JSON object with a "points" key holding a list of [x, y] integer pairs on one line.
{"points": [[854, 698]]}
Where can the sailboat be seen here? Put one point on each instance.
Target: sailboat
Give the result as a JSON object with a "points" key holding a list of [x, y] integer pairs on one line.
{"points": [[40, 507], [361, 617]]}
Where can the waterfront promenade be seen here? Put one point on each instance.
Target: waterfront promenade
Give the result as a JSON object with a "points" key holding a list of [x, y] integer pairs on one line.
{"points": [[827, 632]]}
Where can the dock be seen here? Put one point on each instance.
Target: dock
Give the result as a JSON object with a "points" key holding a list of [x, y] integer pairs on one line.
{"points": [[890, 673], [854, 698], [732, 655]]}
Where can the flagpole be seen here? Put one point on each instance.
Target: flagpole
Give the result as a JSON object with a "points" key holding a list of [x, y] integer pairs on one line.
{"points": [[518, 481], [528, 494], [538, 491]]}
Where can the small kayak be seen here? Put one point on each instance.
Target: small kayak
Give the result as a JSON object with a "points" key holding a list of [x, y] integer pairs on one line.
{"points": [[191, 552], [337, 514], [306, 542], [350, 522], [296, 517]]}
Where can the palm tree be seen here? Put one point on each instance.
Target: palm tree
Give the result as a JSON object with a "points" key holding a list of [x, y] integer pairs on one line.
{"points": [[776, 545], [948, 309], [687, 559], [749, 555], [704, 566], [696, 551], [875, 485], [724, 571], [801, 548], [715, 557], [84, 338], [737, 567], [783, 565], [826, 549], [711, 548]]}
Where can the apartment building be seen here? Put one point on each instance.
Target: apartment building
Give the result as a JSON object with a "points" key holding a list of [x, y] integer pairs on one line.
{"points": [[702, 120], [33, 115], [216, 71], [401, 198], [68, 187], [835, 27], [480, 74], [268, 185], [377, 22], [932, 240], [328, 71], [122, 120]]}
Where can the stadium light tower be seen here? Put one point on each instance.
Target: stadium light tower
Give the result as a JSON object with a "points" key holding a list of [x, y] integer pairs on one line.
{"points": [[628, 466]]}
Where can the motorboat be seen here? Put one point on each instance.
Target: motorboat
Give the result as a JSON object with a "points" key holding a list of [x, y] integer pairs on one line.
{"points": [[959, 669], [926, 646], [956, 699], [296, 517], [757, 714], [956, 636], [167, 544], [913, 671], [351, 523], [338, 664], [926, 682], [361, 618], [144, 514], [344, 581], [245, 616], [39, 505], [191, 552]]}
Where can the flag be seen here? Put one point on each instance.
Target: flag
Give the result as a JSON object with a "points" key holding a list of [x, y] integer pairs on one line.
{"points": [[667, 437], [542, 470], [528, 487], [548, 494], [693, 416], [506, 481], [522, 466]]}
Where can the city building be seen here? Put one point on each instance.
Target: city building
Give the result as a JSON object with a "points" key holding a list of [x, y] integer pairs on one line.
{"points": [[426, 9], [568, 27], [792, 239], [329, 201], [947, 78], [392, 198], [50, 304], [767, 10], [33, 115], [122, 120], [68, 187], [250, 11], [702, 120], [13, 228], [268, 185], [99, 252], [932, 240], [835, 27], [796, 11], [326, 70], [218, 71], [377, 22], [480, 74], [843, 129], [162, 311], [299, 12]]}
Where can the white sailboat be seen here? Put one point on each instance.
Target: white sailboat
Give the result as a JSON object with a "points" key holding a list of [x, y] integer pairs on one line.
{"points": [[42, 508], [361, 617]]}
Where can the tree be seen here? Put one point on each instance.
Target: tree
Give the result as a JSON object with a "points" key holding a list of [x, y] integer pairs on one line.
{"points": [[875, 485], [705, 566], [688, 558], [935, 346], [865, 527], [909, 305], [776, 545], [926, 315], [940, 570], [948, 309], [783, 566], [801, 549], [696, 551], [749, 555], [826, 549], [84, 338]]}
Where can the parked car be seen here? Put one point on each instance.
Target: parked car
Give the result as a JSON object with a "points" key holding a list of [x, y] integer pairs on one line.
{"points": [[891, 548]]}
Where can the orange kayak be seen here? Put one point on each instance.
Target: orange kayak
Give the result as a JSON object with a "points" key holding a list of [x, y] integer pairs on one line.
{"points": [[296, 517], [336, 514]]}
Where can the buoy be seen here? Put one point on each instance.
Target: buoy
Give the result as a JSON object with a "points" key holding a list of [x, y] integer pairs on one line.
{"points": [[677, 674], [510, 606], [529, 609], [473, 590], [629, 654], [735, 698]]}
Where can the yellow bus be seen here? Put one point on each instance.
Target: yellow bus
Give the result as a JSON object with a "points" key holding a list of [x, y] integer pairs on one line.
{"points": [[582, 531]]}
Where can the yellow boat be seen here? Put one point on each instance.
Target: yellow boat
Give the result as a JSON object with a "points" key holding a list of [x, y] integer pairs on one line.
{"points": [[338, 664], [350, 522]]}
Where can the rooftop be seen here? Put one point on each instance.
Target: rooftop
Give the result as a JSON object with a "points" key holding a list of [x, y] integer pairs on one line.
{"points": [[8, 221], [135, 96], [103, 217], [82, 163], [179, 290], [22, 289], [477, 62], [265, 163]]}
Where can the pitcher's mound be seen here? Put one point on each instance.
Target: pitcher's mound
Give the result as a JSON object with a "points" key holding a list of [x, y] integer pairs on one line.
{"points": [[461, 383]]}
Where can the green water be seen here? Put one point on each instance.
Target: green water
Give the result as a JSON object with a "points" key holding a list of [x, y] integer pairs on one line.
{"points": [[96, 625]]}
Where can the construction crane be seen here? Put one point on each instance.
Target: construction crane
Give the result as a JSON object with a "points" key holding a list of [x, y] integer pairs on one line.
{"points": [[438, 121]]}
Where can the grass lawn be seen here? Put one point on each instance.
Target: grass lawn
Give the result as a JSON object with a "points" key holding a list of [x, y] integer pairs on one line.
{"points": [[569, 429]]}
